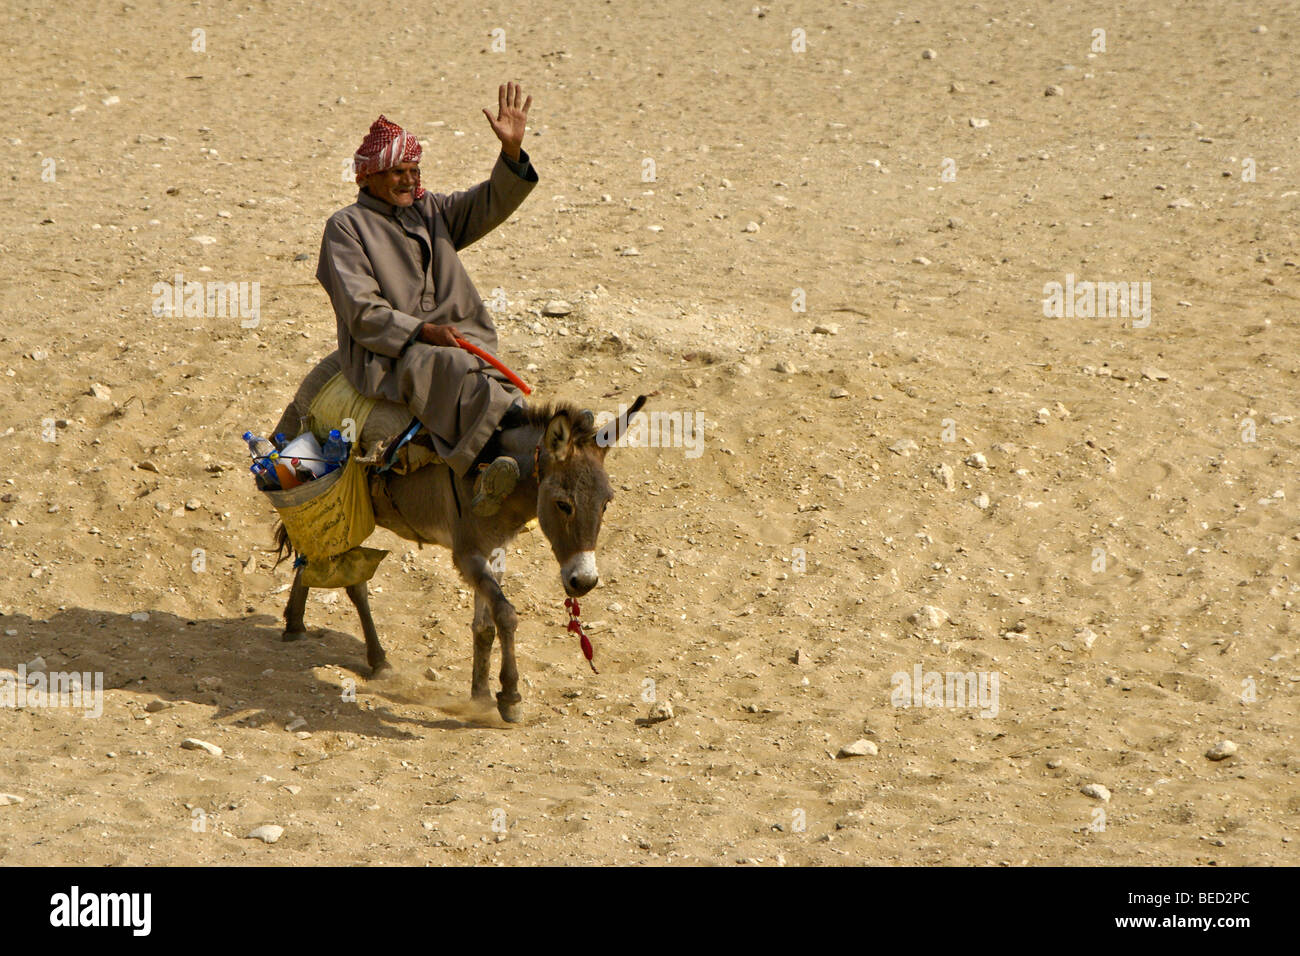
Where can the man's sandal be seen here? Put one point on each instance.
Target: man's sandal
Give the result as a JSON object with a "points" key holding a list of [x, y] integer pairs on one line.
{"points": [[494, 485]]}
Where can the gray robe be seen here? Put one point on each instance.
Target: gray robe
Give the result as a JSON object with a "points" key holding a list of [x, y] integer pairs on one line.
{"points": [[388, 270]]}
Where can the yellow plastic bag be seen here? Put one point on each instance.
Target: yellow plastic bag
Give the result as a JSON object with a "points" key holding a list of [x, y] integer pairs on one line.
{"points": [[343, 570], [329, 515]]}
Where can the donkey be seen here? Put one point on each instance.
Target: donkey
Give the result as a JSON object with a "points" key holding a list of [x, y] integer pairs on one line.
{"points": [[563, 484]]}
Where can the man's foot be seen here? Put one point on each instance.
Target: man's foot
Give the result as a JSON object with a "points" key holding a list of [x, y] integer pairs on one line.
{"points": [[494, 485]]}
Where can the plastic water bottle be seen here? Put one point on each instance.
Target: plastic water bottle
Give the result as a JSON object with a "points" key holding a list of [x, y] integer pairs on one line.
{"points": [[335, 449], [260, 447], [280, 441], [301, 471], [264, 477]]}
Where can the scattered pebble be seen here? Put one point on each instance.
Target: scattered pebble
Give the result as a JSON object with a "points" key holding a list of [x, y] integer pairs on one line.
{"points": [[839, 392], [859, 748], [977, 460], [298, 723], [981, 502], [1096, 791], [928, 54], [927, 615], [660, 710], [193, 743], [1053, 90], [431, 674], [1222, 750], [267, 833], [10, 799], [944, 473], [827, 329], [904, 447], [557, 307], [101, 392], [751, 226], [154, 706], [978, 123]]}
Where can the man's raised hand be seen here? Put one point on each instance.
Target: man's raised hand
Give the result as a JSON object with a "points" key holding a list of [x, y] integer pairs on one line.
{"points": [[511, 118]]}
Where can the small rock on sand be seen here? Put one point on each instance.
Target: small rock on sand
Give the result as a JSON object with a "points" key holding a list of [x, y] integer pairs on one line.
{"points": [[944, 473], [556, 307], [193, 743], [10, 799], [1222, 750], [660, 710], [267, 833], [1096, 791], [977, 460], [859, 748], [929, 616], [101, 392]]}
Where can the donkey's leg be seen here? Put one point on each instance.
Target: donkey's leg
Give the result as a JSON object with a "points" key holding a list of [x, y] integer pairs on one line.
{"points": [[359, 593], [485, 632], [294, 629], [476, 570]]}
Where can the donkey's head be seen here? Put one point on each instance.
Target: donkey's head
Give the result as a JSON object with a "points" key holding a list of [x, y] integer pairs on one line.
{"points": [[573, 490]]}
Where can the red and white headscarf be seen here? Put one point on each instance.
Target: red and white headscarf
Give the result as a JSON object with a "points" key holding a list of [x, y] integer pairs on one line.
{"points": [[386, 145]]}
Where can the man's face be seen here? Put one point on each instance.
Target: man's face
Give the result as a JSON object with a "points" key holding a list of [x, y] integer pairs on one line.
{"points": [[395, 186]]}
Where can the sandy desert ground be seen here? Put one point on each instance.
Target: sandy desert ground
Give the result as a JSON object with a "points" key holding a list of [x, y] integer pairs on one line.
{"points": [[1124, 561]]}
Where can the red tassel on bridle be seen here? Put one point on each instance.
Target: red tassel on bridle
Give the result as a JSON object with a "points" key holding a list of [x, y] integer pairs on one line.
{"points": [[575, 626]]}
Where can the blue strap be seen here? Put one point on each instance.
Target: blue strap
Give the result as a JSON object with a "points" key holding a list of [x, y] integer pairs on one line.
{"points": [[392, 452]]}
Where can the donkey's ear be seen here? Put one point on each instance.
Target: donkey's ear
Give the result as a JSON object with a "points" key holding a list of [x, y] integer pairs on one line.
{"points": [[588, 419], [616, 428], [558, 440]]}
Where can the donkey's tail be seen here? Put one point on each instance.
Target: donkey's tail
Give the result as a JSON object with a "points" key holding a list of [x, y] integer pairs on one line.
{"points": [[283, 546]]}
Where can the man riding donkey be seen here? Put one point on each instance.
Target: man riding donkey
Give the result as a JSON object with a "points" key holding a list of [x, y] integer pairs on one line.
{"points": [[401, 295]]}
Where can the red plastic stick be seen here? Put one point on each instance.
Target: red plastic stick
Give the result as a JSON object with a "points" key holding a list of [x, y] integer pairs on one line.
{"points": [[495, 363]]}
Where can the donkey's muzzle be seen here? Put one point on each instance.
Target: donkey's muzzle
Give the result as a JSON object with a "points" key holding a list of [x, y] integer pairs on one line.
{"points": [[579, 574]]}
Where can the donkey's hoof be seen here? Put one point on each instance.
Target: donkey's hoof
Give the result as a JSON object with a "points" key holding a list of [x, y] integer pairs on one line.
{"points": [[382, 671], [288, 636], [511, 711]]}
